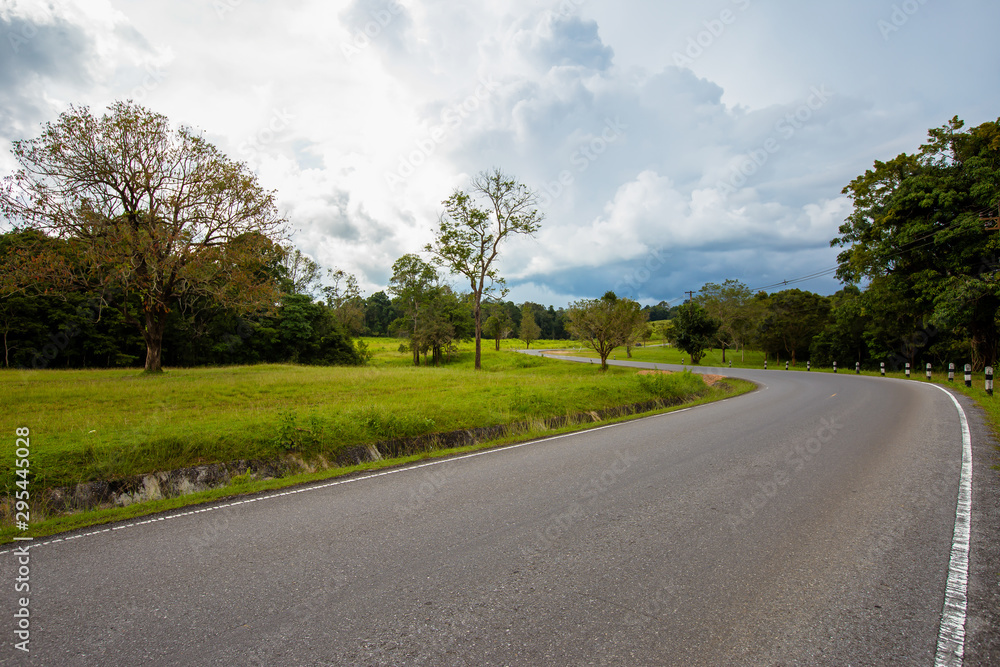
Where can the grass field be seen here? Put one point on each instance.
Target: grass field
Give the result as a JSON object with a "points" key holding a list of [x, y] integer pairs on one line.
{"points": [[669, 355], [105, 424]]}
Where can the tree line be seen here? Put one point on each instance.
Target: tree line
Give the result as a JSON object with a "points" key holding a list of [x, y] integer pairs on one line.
{"points": [[135, 242], [317, 320]]}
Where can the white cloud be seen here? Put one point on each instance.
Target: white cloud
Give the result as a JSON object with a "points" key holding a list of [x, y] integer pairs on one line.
{"points": [[365, 114]]}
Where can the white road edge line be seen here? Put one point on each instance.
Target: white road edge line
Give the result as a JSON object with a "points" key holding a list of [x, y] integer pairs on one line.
{"points": [[951, 637], [337, 482]]}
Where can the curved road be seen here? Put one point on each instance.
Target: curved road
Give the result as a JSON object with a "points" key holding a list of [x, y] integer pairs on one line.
{"points": [[808, 523]]}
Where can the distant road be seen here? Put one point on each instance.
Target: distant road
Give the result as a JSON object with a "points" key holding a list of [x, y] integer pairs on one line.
{"points": [[808, 523]]}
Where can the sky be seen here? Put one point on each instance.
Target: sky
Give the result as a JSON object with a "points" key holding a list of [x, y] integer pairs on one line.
{"points": [[670, 143]]}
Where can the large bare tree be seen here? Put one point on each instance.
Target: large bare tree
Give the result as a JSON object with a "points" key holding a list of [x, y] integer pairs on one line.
{"points": [[153, 214]]}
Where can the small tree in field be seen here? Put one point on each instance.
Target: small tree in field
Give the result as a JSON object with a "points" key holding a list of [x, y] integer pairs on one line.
{"points": [[414, 282], [469, 237], [530, 330], [694, 330], [498, 324], [155, 215], [605, 323]]}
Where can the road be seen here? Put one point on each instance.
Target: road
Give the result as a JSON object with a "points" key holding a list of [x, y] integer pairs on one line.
{"points": [[810, 522]]}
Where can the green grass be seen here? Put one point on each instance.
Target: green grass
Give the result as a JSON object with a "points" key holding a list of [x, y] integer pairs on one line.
{"points": [[105, 424], [656, 353]]}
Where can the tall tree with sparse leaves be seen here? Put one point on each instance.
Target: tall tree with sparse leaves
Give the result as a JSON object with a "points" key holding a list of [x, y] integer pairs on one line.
{"points": [[470, 235]]}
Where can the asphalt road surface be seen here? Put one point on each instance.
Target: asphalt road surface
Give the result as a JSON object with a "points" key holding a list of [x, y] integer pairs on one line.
{"points": [[810, 522]]}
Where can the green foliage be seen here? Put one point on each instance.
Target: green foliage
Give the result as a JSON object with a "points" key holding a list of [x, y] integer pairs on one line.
{"points": [[363, 351], [917, 235], [241, 481], [792, 319], [158, 215], [469, 235], [529, 329], [672, 386], [843, 339], [379, 314], [383, 424], [286, 438], [732, 305], [605, 323], [693, 330]]}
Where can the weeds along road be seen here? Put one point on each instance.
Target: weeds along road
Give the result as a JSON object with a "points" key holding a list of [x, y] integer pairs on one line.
{"points": [[809, 522]]}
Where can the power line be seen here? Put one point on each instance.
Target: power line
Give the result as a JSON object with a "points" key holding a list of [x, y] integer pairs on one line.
{"points": [[825, 272]]}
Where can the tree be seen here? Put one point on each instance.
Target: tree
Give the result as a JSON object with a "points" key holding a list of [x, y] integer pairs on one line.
{"points": [[664, 329], [345, 300], [640, 335], [150, 212], [843, 338], [469, 236], [917, 221], [661, 311], [693, 330], [498, 324], [301, 273], [310, 334], [729, 304], [412, 283], [379, 313], [529, 330], [792, 319], [445, 320], [605, 323]]}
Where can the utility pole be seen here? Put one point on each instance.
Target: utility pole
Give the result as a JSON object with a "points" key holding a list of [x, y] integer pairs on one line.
{"points": [[690, 296]]}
